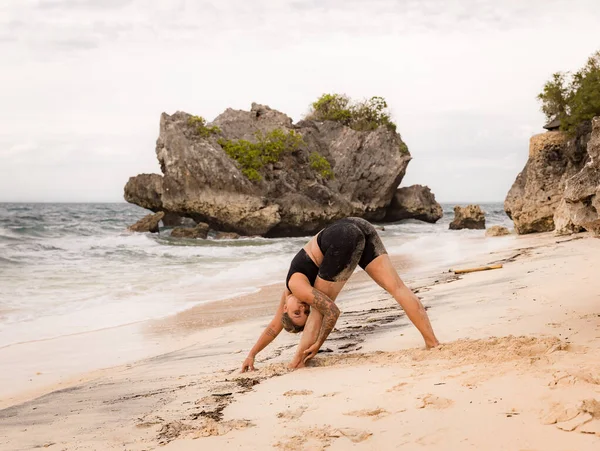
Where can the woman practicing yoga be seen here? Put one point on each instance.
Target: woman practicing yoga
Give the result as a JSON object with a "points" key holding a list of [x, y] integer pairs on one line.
{"points": [[316, 276]]}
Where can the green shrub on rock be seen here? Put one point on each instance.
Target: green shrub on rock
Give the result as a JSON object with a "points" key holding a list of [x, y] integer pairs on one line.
{"points": [[268, 148], [332, 107], [320, 164], [573, 98], [200, 123], [366, 115], [371, 114]]}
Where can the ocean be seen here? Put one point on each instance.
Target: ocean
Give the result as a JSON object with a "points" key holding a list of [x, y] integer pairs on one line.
{"points": [[72, 268]]}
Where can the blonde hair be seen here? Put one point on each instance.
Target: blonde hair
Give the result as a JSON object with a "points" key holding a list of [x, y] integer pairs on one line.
{"points": [[289, 326]]}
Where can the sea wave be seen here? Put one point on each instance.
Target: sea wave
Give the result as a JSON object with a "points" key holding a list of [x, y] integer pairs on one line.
{"points": [[8, 235], [75, 267]]}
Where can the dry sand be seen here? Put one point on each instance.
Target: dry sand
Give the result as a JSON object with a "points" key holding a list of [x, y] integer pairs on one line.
{"points": [[519, 369]]}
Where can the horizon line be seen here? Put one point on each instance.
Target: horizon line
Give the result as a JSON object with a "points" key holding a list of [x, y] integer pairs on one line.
{"points": [[129, 203]]}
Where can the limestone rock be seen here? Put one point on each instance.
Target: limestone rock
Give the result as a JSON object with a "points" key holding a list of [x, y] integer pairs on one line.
{"points": [[538, 189], [145, 190], [414, 202], [148, 223], [563, 222], [469, 217], [580, 206], [497, 230], [200, 231], [202, 182]]}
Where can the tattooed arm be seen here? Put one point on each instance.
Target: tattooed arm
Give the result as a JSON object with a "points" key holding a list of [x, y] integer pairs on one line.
{"points": [[302, 289], [330, 313], [309, 338], [271, 331]]}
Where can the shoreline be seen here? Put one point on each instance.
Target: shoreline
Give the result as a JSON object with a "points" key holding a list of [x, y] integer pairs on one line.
{"points": [[197, 393], [145, 339]]}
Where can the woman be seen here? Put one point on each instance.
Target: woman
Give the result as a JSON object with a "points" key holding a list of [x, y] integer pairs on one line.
{"points": [[315, 278]]}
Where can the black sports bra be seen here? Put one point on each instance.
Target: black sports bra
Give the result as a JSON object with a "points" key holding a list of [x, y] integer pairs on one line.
{"points": [[303, 264]]}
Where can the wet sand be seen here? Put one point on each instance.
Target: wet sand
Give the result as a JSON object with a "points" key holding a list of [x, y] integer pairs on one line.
{"points": [[38, 367], [519, 368]]}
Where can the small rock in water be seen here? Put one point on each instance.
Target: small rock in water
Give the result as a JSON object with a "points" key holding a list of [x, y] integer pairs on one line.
{"points": [[148, 223], [200, 231], [469, 217], [497, 231]]}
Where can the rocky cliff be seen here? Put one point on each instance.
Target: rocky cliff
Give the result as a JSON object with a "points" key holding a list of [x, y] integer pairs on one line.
{"points": [[539, 188], [580, 207], [333, 172]]}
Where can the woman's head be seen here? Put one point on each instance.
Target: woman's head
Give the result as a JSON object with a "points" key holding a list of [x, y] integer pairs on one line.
{"points": [[295, 314]]}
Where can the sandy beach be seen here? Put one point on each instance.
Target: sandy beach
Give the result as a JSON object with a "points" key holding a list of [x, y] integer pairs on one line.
{"points": [[519, 369], [169, 169]]}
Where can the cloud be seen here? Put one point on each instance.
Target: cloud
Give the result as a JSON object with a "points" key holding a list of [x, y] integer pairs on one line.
{"points": [[84, 82], [69, 5], [9, 30], [63, 25], [80, 25], [68, 167], [75, 44]]}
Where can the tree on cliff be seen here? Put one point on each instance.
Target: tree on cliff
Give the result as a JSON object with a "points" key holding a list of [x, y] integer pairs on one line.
{"points": [[573, 98]]}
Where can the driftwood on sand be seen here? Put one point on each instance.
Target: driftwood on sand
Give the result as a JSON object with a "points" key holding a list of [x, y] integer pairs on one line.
{"points": [[479, 268]]}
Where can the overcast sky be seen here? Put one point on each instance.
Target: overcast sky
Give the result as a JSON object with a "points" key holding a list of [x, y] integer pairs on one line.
{"points": [[83, 82]]}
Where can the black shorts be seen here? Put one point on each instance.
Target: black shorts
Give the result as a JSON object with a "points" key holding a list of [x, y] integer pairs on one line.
{"points": [[345, 244]]}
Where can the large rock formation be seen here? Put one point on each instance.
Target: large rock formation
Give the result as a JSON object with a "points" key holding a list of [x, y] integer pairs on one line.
{"points": [[202, 182], [538, 189], [563, 221], [469, 217], [580, 207], [414, 202]]}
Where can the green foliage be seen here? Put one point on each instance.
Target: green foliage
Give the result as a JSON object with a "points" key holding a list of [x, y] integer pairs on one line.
{"points": [[573, 98], [403, 147], [268, 148], [554, 96], [200, 123], [320, 164], [362, 116], [371, 114], [332, 107]]}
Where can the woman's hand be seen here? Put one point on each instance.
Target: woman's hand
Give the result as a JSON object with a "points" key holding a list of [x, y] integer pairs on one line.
{"points": [[310, 352], [248, 364]]}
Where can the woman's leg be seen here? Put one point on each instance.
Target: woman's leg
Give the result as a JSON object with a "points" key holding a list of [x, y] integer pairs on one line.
{"points": [[383, 272]]}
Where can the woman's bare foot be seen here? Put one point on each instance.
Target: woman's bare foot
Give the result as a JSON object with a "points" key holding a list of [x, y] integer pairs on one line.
{"points": [[296, 363], [432, 344]]}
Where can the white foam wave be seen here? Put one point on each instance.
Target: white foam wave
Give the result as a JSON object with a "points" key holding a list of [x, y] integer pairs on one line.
{"points": [[7, 233], [84, 274], [447, 248]]}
